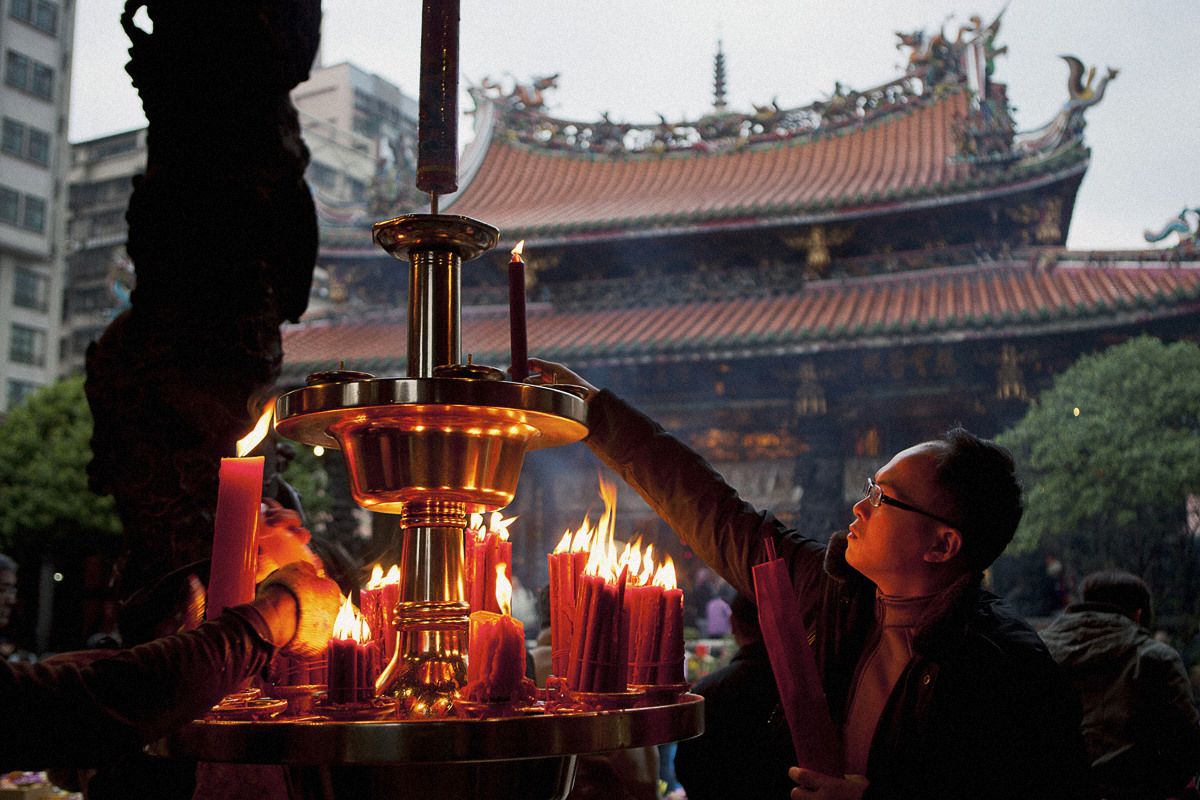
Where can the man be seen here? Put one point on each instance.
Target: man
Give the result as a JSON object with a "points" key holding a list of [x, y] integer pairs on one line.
{"points": [[1139, 722], [83, 713], [941, 691]]}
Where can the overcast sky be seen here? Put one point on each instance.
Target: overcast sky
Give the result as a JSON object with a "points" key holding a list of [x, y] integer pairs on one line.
{"points": [[636, 59]]}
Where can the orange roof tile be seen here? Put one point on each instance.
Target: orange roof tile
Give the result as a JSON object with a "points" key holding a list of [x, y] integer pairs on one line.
{"points": [[834, 314], [531, 192]]}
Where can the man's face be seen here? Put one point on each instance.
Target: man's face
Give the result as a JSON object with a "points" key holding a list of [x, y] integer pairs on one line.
{"points": [[888, 544], [8, 595]]}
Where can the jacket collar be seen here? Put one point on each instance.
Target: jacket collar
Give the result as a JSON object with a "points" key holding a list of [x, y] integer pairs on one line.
{"points": [[948, 615]]}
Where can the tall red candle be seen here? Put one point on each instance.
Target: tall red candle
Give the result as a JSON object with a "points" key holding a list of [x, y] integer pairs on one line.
{"points": [[235, 544], [671, 654], [516, 315]]}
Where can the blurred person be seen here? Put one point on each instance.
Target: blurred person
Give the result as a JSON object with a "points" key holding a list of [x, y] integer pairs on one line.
{"points": [[738, 756], [91, 708], [542, 653], [8, 589], [939, 689], [1139, 722], [524, 607], [716, 618]]}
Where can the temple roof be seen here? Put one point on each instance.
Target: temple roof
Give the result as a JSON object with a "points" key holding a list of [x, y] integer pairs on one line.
{"points": [[903, 158], [1013, 298]]}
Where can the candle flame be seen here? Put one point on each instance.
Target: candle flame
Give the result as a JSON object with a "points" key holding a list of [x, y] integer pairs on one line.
{"points": [[376, 577], [346, 625], [503, 590], [665, 577], [602, 559], [251, 440], [516, 251], [479, 526], [393, 575]]}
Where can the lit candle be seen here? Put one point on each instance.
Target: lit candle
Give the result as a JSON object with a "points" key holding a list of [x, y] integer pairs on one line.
{"points": [[496, 650], [670, 649], [235, 547], [516, 315]]}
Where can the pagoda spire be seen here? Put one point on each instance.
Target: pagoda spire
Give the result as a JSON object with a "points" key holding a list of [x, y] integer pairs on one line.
{"points": [[719, 80]]}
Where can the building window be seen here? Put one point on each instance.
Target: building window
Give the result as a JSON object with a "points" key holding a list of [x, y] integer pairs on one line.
{"points": [[45, 17], [38, 148], [41, 14], [43, 81], [321, 175], [13, 139], [10, 203], [31, 290], [24, 210], [16, 70], [31, 76], [19, 392], [25, 142], [27, 346], [34, 217]]}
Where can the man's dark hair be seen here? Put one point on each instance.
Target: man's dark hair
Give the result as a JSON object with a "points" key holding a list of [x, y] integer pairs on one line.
{"points": [[985, 493], [1119, 588]]}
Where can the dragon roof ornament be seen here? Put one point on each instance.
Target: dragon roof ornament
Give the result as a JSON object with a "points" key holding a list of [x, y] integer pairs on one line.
{"points": [[935, 64]]}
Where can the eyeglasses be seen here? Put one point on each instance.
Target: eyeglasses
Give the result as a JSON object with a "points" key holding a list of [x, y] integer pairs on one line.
{"points": [[875, 496]]}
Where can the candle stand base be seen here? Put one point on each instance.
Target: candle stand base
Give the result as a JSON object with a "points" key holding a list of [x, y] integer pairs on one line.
{"points": [[507, 758]]}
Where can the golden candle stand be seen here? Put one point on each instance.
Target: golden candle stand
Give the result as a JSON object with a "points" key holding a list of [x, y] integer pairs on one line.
{"points": [[506, 758]]}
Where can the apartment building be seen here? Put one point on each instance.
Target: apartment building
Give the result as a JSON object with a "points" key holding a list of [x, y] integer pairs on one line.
{"points": [[35, 39]]}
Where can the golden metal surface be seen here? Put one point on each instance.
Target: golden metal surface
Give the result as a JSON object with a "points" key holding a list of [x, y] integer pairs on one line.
{"points": [[412, 440], [437, 740]]}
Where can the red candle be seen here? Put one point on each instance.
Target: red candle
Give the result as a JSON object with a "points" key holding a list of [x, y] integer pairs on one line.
{"points": [[671, 654], [496, 650], [516, 315], [235, 546]]}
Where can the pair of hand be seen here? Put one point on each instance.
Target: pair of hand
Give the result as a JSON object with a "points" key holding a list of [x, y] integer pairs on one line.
{"points": [[812, 785]]}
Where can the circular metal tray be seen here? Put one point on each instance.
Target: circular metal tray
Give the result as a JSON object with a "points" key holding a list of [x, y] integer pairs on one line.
{"points": [[435, 740]]}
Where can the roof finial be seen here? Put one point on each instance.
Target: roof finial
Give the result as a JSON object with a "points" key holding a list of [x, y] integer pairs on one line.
{"points": [[719, 80]]}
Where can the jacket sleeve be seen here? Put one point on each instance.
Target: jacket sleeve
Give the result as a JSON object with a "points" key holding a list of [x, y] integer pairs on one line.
{"points": [[704, 511], [1172, 728], [74, 712]]}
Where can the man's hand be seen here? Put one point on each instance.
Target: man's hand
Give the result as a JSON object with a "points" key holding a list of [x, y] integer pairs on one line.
{"points": [[282, 540], [813, 785], [302, 619]]}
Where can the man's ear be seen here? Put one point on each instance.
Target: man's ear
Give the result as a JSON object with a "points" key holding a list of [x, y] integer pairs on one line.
{"points": [[946, 545]]}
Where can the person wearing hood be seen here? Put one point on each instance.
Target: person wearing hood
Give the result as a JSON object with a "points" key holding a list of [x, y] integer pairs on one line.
{"points": [[940, 690], [1139, 721]]}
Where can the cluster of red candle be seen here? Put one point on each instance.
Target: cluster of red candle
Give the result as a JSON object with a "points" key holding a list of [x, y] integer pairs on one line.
{"points": [[378, 600], [488, 553], [352, 660], [615, 622], [656, 654]]}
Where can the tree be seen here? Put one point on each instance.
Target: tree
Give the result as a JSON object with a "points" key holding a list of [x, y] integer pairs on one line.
{"points": [[45, 502], [1110, 455]]}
